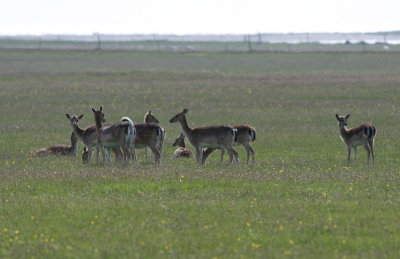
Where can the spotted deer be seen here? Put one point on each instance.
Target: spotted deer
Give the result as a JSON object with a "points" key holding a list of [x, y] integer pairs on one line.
{"points": [[222, 137], [361, 135], [115, 135], [182, 151], [245, 135], [59, 150], [150, 135]]}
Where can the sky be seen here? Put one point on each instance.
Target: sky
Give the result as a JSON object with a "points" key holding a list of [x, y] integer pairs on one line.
{"points": [[180, 17]]}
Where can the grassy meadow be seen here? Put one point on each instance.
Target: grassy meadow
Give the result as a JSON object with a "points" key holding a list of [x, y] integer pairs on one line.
{"points": [[298, 200]]}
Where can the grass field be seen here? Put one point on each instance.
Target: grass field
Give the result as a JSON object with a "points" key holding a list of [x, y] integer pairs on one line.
{"points": [[298, 200]]}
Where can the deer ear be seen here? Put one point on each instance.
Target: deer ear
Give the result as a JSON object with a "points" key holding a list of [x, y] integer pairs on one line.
{"points": [[101, 108], [185, 110], [93, 109], [149, 111], [347, 116], [181, 135], [80, 116], [337, 116], [67, 115]]}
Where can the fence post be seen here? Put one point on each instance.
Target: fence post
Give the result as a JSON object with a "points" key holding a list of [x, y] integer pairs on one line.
{"points": [[249, 43]]}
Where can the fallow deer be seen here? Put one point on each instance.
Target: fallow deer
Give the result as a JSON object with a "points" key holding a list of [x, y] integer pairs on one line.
{"points": [[150, 118], [182, 151], [212, 136], [361, 135], [150, 135], [115, 135], [245, 135], [88, 136], [59, 150]]}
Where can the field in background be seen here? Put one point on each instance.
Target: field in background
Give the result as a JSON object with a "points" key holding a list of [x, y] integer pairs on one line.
{"points": [[298, 200]]}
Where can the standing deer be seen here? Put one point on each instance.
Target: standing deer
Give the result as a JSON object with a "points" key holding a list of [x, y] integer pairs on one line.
{"points": [[115, 135], [88, 136], [150, 118], [361, 135], [212, 136], [182, 151], [59, 150], [150, 135], [245, 135]]}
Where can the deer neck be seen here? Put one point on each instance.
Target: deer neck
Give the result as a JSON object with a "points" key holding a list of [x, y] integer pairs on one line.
{"points": [[185, 127], [98, 123], [343, 131], [78, 131]]}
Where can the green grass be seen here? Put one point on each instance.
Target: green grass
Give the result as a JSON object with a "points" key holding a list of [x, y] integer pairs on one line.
{"points": [[298, 200]]}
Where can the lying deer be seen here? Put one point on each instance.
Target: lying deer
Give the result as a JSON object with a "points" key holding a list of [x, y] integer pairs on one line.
{"points": [[182, 151], [59, 150], [150, 135], [245, 135], [221, 137], [115, 135], [361, 135]]}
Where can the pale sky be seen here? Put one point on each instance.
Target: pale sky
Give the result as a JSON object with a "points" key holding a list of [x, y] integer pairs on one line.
{"points": [[196, 17]]}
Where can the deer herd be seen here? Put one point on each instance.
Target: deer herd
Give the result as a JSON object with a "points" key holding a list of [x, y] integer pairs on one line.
{"points": [[124, 137]]}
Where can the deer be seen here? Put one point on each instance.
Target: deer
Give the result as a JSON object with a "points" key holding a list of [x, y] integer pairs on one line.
{"points": [[88, 136], [150, 135], [361, 135], [245, 135], [115, 135], [221, 137], [182, 151], [59, 150], [150, 118]]}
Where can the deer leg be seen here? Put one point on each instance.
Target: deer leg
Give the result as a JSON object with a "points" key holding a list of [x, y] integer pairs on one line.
{"points": [[368, 152], [157, 155], [97, 154], [355, 154], [90, 153], [206, 153], [371, 145], [222, 155], [232, 154], [199, 155], [126, 156], [103, 152]]}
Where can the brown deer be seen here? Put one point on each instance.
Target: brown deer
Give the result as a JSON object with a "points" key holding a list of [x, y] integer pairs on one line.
{"points": [[182, 151], [88, 136], [150, 118], [212, 136], [59, 150], [245, 135], [150, 135], [361, 135], [115, 135]]}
